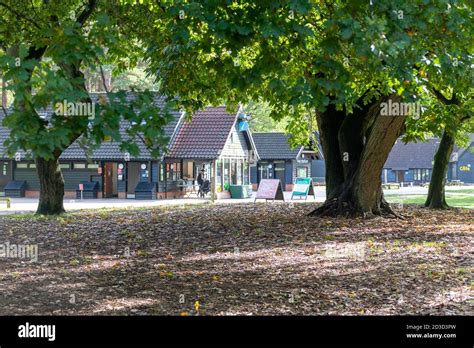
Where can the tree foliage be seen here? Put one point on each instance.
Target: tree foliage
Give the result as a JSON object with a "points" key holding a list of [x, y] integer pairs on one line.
{"points": [[302, 54], [45, 59]]}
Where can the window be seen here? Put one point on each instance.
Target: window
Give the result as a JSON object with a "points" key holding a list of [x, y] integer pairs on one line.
{"points": [[233, 172], [4, 169], [421, 174], [22, 165], [263, 170], [302, 172], [93, 166], [162, 172], [32, 166], [65, 166], [79, 166], [226, 171], [177, 171], [246, 172], [173, 171], [219, 172], [239, 172]]}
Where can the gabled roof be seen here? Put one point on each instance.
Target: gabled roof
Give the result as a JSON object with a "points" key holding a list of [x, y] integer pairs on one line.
{"points": [[412, 155], [462, 151], [420, 154], [108, 150], [275, 146], [205, 136]]}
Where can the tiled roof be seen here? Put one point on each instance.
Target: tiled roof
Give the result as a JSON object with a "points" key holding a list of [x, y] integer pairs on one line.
{"points": [[204, 136], [107, 150], [412, 155], [274, 146]]}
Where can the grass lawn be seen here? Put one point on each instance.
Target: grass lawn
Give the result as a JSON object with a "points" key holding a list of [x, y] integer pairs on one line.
{"points": [[239, 259], [467, 190], [453, 198]]}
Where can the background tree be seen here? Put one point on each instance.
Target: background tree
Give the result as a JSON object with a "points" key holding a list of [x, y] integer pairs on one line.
{"points": [[261, 121], [51, 44], [445, 77], [341, 60]]}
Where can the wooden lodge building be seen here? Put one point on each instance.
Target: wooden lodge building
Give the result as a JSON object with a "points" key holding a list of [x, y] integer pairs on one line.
{"points": [[279, 161], [214, 141], [412, 163]]}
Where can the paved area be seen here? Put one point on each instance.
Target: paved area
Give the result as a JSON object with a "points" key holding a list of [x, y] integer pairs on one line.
{"points": [[28, 205], [418, 190]]}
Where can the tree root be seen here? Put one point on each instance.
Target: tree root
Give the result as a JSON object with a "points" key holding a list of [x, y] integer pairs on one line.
{"points": [[385, 206], [338, 207]]}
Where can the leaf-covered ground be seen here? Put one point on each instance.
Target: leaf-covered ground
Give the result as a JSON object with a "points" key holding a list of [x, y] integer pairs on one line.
{"points": [[244, 259]]}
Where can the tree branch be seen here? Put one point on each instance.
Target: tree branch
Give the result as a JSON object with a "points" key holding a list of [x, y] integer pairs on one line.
{"points": [[19, 14], [453, 101], [87, 12]]}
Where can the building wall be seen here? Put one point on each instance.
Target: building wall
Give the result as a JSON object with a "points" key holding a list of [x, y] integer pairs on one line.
{"points": [[409, 176], [72, 178], [288, 176], [28, 175], [6, 173], [318, 171], [253, 174], [305, 163], [465, 166], [288, 173], [236, 148]]}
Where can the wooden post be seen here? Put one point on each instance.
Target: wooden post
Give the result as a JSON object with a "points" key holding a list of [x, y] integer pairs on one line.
{"points": [[213, 180]]}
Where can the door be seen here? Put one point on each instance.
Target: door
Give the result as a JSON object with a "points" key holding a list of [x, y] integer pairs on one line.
{"points": [[400, 176], [262, 171], [133, 176], [5, 174], [110, 180], [280, 174]]}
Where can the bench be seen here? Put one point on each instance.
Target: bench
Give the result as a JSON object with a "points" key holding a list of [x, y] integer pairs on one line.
{"points": [[7, 200], [455, 183], [391, 186]]}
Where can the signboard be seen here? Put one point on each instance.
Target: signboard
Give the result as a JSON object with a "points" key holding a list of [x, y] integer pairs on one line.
{"points": [[270, 189], [81, 188], [303, 187]]}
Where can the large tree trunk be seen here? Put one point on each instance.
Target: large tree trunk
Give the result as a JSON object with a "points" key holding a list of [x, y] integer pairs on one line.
{"points": [[51, 187], [436, 196], [364, 140], [329, 124]]}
